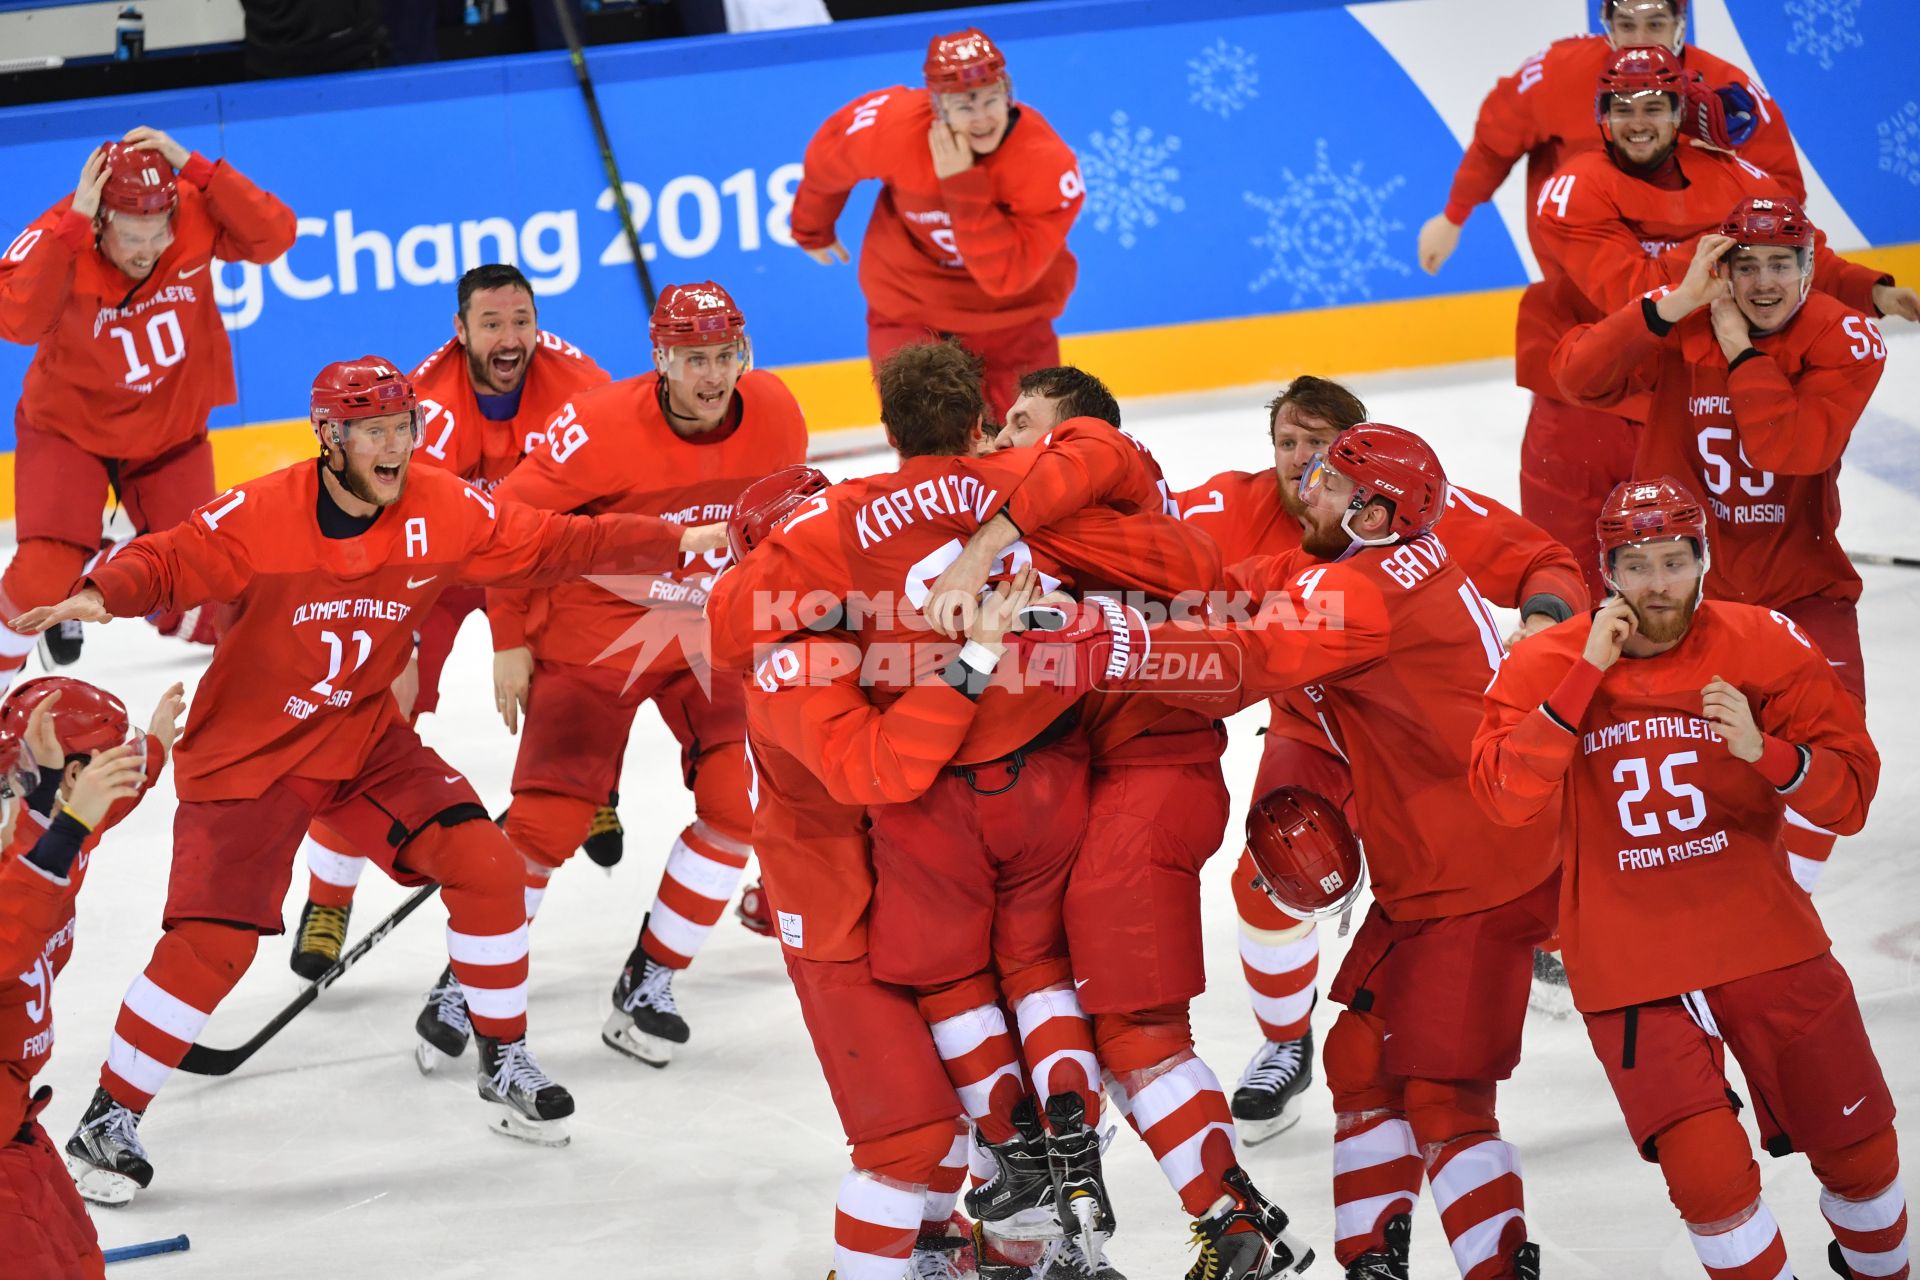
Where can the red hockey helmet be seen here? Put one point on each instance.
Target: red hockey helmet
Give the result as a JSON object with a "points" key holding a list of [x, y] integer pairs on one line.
{"points": [[86, 719], [1307, 856], [346, 390], [1390, 463], [963, 61], [1633, 71], [766, 502], [696, 315], [138, 181], [1780, 223], [1676, 8], [1650, 511]]}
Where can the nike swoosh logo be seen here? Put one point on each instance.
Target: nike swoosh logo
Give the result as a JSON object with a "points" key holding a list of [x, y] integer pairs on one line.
{"points": [[414, 584], [1081, 982], [196, 271], [453, 777], [1847, 1111]]}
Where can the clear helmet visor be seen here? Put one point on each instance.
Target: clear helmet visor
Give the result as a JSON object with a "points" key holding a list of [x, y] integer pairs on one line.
{"points": [[385, 435], [717, 364]]}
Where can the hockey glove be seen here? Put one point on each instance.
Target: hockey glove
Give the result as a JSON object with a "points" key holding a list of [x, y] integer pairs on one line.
{"points": [[1095, 643], [1723, 118]]}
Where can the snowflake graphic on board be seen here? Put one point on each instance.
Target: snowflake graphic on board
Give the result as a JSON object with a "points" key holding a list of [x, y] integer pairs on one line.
{"points": [[1223, 78], [1327, 234], [1824, 28], [1900, 144], [1130, 175]]}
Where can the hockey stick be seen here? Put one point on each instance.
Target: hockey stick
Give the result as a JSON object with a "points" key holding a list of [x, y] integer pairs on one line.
{"points": [[585, 80], [1874, 557], [128, 1252], [203, 1061]]}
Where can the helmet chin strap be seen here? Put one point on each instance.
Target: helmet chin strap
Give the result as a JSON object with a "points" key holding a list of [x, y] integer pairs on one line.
{"points": [[1356, 542]]}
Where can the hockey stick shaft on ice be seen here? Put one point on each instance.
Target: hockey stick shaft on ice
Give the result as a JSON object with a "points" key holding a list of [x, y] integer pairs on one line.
{"points": [[204, 1061], [584, 78]]}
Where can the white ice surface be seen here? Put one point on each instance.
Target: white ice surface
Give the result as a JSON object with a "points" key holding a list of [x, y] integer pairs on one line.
{"points": [[328, 1157]]}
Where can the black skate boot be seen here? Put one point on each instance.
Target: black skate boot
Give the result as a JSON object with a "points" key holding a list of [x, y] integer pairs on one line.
{"points": [[1073, 1153], [443, 1025], [1838, 1261], [1391, 1264], [1246, 1237], [60, 645], [1550, 994], [1526, 1262], [529, 1105], [606, 841], [645, 1022], [318, 941], [1272, 1088], [104, 1154], [1018, 1202]]}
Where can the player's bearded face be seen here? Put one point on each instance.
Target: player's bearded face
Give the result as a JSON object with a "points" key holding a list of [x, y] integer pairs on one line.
{"points": [[1644, 127], [1660, 581], [979, 115], [377, 451], [1768, 284], [1643, 22], [501, 333], [133, 242], [700, 380], [1297, 437], [1324, 506]]}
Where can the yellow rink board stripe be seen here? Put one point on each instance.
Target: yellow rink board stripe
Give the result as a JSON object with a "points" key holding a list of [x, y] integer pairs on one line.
{"points": [[1163, 360]]}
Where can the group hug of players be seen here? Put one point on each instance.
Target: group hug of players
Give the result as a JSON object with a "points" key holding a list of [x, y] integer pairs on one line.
{"points": [[968, 714]]}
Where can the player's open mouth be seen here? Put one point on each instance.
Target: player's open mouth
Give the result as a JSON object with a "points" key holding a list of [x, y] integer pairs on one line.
{"points": [[388, 475], [711, 401], [1765, 306], [505, 364]]}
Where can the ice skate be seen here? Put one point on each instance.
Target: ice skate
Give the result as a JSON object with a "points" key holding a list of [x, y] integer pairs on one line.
{"points": [[1064, 1260], [60, 645], [645, 1022], [1246, 1237], [104, 1155], [1391, 1264], [1073, 1153], [1526, 1262], [1018, 1202], [1272, 1089], [527, 1105], [1549, 994], [606, 841], [319, 940], [443, 1025], [945, 1253]]}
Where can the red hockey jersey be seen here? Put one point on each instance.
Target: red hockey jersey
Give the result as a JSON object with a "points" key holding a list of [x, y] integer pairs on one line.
{"points": [[454, 434], [124, 368], [985, 249]]}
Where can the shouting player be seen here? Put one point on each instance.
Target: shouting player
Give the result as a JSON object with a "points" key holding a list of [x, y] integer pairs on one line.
{"points": [[968, 239], [113, 288], [329, 561], [485, 397], [1756, 382], [679, 443], [1665, 737]]}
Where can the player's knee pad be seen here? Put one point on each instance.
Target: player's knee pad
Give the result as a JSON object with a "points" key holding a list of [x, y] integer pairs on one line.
{"points": [[41, 572], [911, 1156], [937, 1004], [1021, 981], [1131, 1042], [1441, 1111], [720, 791], [1355, 1064], [223, 950], [1861, 1170], [546, 828], [471, 855], [1708, 1164]]}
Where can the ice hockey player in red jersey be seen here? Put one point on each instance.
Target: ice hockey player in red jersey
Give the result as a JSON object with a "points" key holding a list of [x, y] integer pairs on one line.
{"points": [[485, 399], [968, 237], [1435, 982], [1756, 383], [679, 443], [55, 814], [1513, 562], [328, 562], [113, 287], [1665, 736], [1614, 224], [1543, 113]]}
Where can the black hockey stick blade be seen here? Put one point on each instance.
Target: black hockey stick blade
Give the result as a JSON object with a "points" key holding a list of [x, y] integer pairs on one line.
{"points": [[1874, 557], [204, 1061]]}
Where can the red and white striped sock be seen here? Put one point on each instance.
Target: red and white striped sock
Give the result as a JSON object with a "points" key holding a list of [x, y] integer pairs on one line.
{"points": [[333, 868], [536, 892], [1872, 1233], [1056, 1040], [492, 969], [192, 970], [875, 1222], [1482, 1204], [1181, 1113], [1282, 968], [982, 1062], [943, 1191], [1376, 1174], [702, 872], [1747, 1247]]}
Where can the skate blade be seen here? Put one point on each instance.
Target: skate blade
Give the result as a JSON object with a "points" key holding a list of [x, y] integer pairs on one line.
{"points": [[1254, 1132], [509, 1123], [620, 1034], [429, 1058], [1289, 1246], [100, 1186], [1085, 1209]]}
